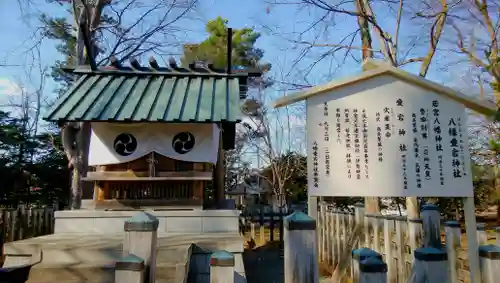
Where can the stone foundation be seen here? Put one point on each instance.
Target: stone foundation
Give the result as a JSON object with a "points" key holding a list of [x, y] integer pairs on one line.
{"points": [[178, 221]]}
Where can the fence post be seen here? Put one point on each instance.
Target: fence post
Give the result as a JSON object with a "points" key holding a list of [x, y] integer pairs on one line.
{"points": [[222, 267], [22, 221], [2, 242], [372, 270], [376, 231], [415, 232], [430, 266], [388, 229], [261, 226], [358, 256], [140, 239], [400, 247], [431, 219], [301, 261], [252, 230], [129, 269], [366, 229], [453, 234], [489, 260], [338, 241], [331, 238], [497, 236], [430, 260], [328, 236], [359, 219], [322, 232], [482, 236]]}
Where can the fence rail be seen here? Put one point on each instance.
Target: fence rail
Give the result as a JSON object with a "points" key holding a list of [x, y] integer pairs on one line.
{"points": [[394, 237], [23, 223]]}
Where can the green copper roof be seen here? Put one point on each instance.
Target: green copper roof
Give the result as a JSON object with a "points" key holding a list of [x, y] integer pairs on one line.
{"points": [[103, 96]]}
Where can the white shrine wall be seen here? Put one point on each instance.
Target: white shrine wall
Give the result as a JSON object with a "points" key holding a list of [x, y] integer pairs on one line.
{"points": [[175, 221]]}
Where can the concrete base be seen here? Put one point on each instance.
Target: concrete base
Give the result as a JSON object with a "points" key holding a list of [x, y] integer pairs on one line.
{"points": [[183, 222]]}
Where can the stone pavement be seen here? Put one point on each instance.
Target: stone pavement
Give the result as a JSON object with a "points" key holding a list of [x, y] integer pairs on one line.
{"points": [[78, 258], [264, 264]]}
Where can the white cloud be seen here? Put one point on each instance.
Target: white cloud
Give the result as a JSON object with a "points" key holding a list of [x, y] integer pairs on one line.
{"points": [[9, 88]]}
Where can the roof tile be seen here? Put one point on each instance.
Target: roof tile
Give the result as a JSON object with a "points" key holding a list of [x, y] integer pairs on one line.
{"points": [[149, 97]]}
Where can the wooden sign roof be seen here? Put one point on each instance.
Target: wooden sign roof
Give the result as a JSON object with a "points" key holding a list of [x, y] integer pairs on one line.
{"points": [[374, 69]]}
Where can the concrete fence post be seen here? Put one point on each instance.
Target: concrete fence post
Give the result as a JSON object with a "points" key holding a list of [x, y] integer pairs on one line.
{"points": [[130, 269], [301, 261], [482, 235], [431, 266], [489, 261], [431, 220], [372, 270], [358, 256], [222, 267], [141, 240], [431, 261]]}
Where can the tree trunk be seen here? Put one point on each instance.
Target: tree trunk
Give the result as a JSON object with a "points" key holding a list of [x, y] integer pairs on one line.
{"points": [[371, 203], [91, 18]]}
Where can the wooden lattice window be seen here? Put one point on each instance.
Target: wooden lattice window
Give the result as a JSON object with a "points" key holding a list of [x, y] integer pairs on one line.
{"points": [[150, 190]]}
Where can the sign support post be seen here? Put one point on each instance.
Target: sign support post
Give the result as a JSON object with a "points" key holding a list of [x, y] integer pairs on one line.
{"points": [[472, 245], [312, 207]]}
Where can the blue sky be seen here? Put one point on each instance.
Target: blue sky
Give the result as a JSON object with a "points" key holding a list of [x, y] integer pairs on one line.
{"points": [[16, 29], [278, 24]]}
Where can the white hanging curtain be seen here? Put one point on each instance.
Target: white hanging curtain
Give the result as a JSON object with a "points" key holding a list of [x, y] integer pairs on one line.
{"points": [[114, 143]]}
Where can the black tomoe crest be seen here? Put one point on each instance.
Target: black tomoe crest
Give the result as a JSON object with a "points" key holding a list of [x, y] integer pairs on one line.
{"points": [[125, 144], [183, 142]]}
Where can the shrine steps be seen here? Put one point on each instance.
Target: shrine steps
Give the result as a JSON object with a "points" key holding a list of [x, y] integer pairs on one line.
{"points": [[78, 258]]}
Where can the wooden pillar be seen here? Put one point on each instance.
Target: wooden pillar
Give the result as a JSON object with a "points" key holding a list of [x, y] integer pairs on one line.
{"points": [[219, 174], [198, 186], [100, 187]]}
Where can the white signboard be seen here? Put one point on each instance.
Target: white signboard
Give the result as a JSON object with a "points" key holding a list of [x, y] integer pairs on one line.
{"points": [[384, 137]]}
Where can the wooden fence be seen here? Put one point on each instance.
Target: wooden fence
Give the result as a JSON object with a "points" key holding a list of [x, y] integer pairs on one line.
{"points": [[335, 228], [263, 226], [23, 223]]}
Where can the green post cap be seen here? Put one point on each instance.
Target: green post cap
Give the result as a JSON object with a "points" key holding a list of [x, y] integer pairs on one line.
{"points": [[430, 254], [429, 206], [142, 221], [364, 253], [372, 265], [130, 262], [490, 252], [481, 226], [299, 221], [222, 258]]}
